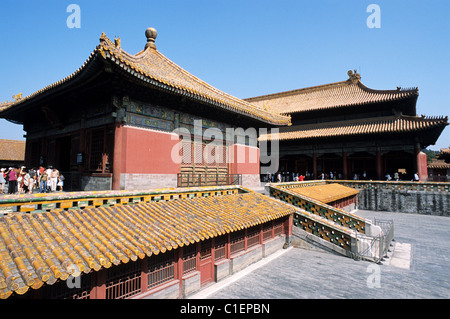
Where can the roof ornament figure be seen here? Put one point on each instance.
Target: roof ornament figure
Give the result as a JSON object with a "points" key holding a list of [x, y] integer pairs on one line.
{"points": [[151, 35], [17, 97], [117, 42], [103, 37], [354, 77]]}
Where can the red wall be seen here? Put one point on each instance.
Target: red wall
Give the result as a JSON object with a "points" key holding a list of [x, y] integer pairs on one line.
{"points": [[141, 151], [148, 152], [245, 159]]}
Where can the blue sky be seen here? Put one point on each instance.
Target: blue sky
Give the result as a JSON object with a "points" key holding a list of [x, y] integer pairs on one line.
{"points": [[246, 48]]}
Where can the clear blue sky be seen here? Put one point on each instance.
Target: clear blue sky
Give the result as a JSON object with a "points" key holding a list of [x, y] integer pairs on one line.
{"points": [[245, 48]]}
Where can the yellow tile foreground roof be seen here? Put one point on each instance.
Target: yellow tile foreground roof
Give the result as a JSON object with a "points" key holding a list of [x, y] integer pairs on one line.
{"points": [[325, 193], [41, 248]]}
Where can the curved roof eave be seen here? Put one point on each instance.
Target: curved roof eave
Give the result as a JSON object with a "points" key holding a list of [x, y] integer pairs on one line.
{"points": [[138, 67]]}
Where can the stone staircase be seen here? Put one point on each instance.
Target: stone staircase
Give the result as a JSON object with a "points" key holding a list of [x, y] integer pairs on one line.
{"points": [[320, 226]]}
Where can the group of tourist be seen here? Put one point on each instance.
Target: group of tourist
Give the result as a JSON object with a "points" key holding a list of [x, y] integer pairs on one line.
{"points": [[26, 181], [296, 177]]}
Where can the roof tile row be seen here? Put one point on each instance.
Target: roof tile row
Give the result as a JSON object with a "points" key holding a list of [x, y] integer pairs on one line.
{"points": [[43, 247], [333, 95], [389, 124]]}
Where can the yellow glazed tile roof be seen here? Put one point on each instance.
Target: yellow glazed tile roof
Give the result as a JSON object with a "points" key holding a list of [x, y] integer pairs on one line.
{"points": [[325, 193], [43, 247], [12, 150], [154, 69], [333, 95], [381, 125], [438, 164]]}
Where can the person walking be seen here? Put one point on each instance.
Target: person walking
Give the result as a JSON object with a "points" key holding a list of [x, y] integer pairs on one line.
{"points": [[396, 177], [2, 181], [54, 174], [43, 182], [12, 185], [60, 182], [49, 172], [32, 182]]}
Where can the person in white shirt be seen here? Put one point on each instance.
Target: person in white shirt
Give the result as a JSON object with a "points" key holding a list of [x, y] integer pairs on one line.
{"points": [[48, 171], [54, 174]]}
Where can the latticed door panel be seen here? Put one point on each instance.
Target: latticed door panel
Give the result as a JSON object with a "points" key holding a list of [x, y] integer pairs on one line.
{"points": [[203, 164]]}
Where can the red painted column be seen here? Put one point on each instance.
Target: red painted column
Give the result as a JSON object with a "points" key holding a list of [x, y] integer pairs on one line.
{"points": [[117, 156], [197, 255], [179, 270], [290, 222], [227, 247], [100, 289], [144, 277], [421, 164]]}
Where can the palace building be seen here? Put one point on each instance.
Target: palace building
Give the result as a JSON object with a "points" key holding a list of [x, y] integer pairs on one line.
{"points": [[124, 121], [346, 128], [439, 168], [112, 124]]}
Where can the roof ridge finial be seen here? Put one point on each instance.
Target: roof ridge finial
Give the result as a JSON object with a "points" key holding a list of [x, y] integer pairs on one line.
{"points": [[117, 42], [151, 35], [17, 97], [354, 77]]}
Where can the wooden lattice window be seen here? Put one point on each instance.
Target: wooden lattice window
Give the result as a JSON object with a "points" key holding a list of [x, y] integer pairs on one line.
{"points": [[99, 145], [267, 231], [161, 269], [197, 150], [205, 250], [219, 247], [189, 258], [253, 236], [124, 280], [237, 241], [222, 157], [278, 227], [96, 151]]}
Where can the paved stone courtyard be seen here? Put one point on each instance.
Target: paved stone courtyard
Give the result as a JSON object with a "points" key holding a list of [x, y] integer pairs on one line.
{"points": [[299, 273]]}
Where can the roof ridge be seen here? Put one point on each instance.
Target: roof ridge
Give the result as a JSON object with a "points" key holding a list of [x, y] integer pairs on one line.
{"points": [[368, 121], [350, 92], [133, 62], [413, 90], [297, 91]]}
